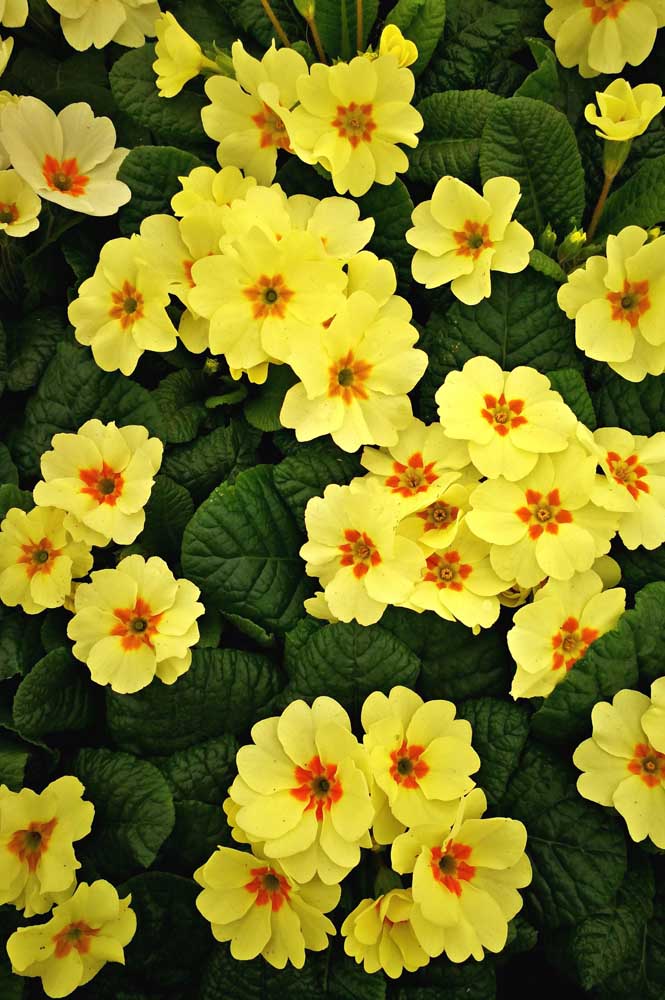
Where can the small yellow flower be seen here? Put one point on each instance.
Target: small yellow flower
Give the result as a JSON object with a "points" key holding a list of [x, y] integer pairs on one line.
{"points": [[13, 13], [83, 934], [19, 205], [135, 622], [204, 186], [6, 46], [98, 22], [393, 42], [653, 720], [38, 559], [171, 246], [102, 477], [253, 903], [625, 111], [37, 831], [622, 768], [378, 933], [179, 56]]}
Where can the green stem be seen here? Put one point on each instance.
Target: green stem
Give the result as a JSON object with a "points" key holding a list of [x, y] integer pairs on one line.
{"points": [[311, 24], [359, 25], [274, 20], [600, 205]]}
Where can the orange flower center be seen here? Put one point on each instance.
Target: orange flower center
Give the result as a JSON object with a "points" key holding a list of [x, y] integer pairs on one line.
{"points": [[628, 472], [630, 303], [64, 176], [543, 512], [600, 9], [269, 296], [103, 485], [407, 768], [272, 130], [30, 844], [38, 557], [504, 415], [269, 887], [318, 786], [438, 515], [447, 571], [354, 122], [449, 867], [136, 626], [412, 478], [127, 305], [473, 239], [570, 643], [346, 378], [649, 764], [359, 551], [74, 936], [8, 212]]}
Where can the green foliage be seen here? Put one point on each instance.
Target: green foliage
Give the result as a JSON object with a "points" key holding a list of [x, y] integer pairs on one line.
{"points": [[450, 140], [639, 408], [55, 697], [151, 173], [638, 202], [307, 472], [338, 26], [391, 210], [500, 732], [421, 21], [570, 383]]}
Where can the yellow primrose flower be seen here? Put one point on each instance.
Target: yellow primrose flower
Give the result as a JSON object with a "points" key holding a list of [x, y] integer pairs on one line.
{"points": [[13, 13], [247, 115], [69, 158], [601, 36], [204, 186], [653, 720], [618, 304], [393, 42], [102, 477], [378, 933], [38, 559], [83, 934], [353, 548], [134, 622], [633, 483], [6, 46], [550, 635], [98, 22], [624, 111], [261, 297], [351, 118], [355, 378], [545, 524], [465, 880], [253, 903], [436, 526], [172, 246], [508, 418], [37, 831], [621, 768], [179, 56], [303, 789], [317, 607], [19, 205], [420, 755], [120, 311], [460, 236]]}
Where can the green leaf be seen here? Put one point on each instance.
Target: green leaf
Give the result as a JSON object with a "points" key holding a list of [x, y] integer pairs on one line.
{"points": [[225, 977], [8, 471], [520, 324], [307, 472], [13, 760], [241, 549], [543, 83], [206, 22], [500, 731], [213, 458], [203, 771], [577, 849], [572, 387], [346, 662], [20, 647], [199, 829], [180, 400], [262, 409], [251, 18], [32, 342], [638, 408], [224, 691], [450, 140], [167, 514], [337, 24], [540, 262], [12, 496], [3, 359], [152, 173], [468, 981], [638, 202], [534, 143], [639, 566], [55, 697], [133, 811], [391, 209], [421, 21]]}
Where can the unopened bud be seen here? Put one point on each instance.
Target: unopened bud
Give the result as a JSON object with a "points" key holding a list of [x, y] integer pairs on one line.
{"points": [[571, 246], [547, 240], [307, 8]]}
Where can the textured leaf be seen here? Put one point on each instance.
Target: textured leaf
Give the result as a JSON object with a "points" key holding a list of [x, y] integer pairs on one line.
{"points": [[224, 977], [250, 17], [543, 83], [546, 265], [572, 387], [500, 732], [203, 771], [450, 140], [391, 209], [468, 981], [179, 397], [421, 21], [8, 471], [638, 408], [263, 408], [638, 202], [55, 697], [20, 647], [151, 172], [32, 343], [167, 514], [12, 496], [307, 472], [13, 760], [639, 566], [213, 458]]}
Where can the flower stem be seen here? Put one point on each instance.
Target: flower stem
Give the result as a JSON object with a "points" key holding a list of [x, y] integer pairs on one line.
{"points": [[600, 205], [359, 25], [316, 37], [274, 20]]}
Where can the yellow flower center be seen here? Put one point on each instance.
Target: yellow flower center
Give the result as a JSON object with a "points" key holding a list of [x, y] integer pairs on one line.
{"points": [[628, 472], [127, 305], [630, 303], [269, 296], [543, 512], [570, 643], [38, 556], [271, 128], [503, 414], [648, 764], [473, 239], [438, 515], [29, 844], [8, 212], [346, 378], [358, 550], [64, 176], [447, 571], [136, 626], [412, 477], [354, 122], [75, 936], [600, 9]]}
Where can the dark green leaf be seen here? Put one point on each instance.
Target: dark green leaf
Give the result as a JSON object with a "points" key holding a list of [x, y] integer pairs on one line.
{"points": [[638, 408], [337, 24], [179, 397], [8, 471], [543, 83], [572, 387], [422, 22], [20, 647], [13, 759], [262, 409], [251, 18], [391, 209], [152, 174], [307, 472], [167, 514], [32, 343], [638, 202], [500, 731], [450, 140], [55, 697], [213, 458], [203, 771]]}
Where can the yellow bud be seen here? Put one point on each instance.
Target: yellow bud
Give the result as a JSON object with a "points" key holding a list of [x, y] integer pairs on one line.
{"points": [[653, 233], [394, 43]]}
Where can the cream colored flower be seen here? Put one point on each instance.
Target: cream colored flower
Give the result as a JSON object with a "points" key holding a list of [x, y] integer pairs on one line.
{"points": [[203, 187], [625, 111], [19, 205], [6, 46], [179, 56], [378, 933], [99, 22], [13, 13]]}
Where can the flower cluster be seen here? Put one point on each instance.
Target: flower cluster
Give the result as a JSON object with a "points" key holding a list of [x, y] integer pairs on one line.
{"points": [[309, 796]]}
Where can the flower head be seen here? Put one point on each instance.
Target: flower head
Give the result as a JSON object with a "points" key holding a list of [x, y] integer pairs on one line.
{"points": [[69, 158], [39, 559], [253, 903], [393, 42], [179, 56], [19, 205], [135, 622], [351, 118], [37, 832], [622, 768], [625, 111], [101, 476], [550, 635], [203, 187], [98, 22], [460, 236], [13, 13], [379, 934], [84, 933], [618, 304]]}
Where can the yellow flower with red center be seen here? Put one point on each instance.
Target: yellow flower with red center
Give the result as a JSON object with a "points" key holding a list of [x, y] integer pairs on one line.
{"points": [[252, 902], [622, 768], [601, 36], [545, 524], [351, 118], [102, 477], [420, 756], [69, 159], [354, 550], [460, 236], [120, 311], [378, 933], [39, 559], [179, 56], [303, 791], [84, 933], [247, 115], [355, 377], [653, 720], [618, 304], [436, 526], [135, 622], [37, 832], [625, 111], [507, 418], [633, 483], [19, 205], [550, 635], [465, 880]]}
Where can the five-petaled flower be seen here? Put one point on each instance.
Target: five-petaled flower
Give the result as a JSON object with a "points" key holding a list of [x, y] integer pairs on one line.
{"points": [[625, 111], [378, 933]]}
